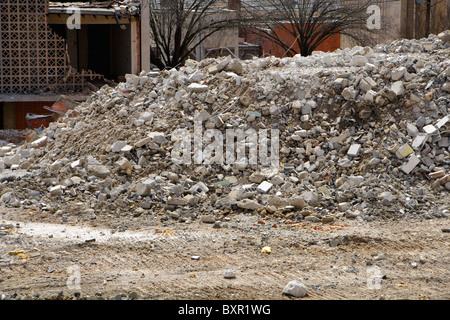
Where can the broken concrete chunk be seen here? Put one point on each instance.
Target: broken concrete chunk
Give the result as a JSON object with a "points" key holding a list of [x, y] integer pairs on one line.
{"points": [[56, 190], [278, 201], [412, 130], [143, 189], [413, 161], [297, 202], [118, 145], [208, 219], [430, 129], [419, 141], [126, 148], [176, 201], [249, 204], [197, 88], [370, 96], [442, 122], [296, 289], [404, 151], [437, 174], [142, 142], [349, 93], [358, 61], [398, 88], [235, 66], [230, 274], [12, 160], [98, 170], [354, 150], [197, 76], [364, 85], [256, 177], [146, 116], [124, 164], [158, 137], [39, 142], [398, 73], [199, 187], [264, 187]]}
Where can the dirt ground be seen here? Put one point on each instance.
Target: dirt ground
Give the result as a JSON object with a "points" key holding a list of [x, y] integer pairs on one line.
{"points": [[45, 256]]}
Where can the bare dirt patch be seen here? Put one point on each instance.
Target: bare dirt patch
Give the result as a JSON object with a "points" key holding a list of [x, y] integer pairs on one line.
{"points": [[148, 260]]}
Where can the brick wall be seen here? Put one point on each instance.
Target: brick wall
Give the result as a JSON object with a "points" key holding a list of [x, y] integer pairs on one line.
{"points": [[271, 48]]}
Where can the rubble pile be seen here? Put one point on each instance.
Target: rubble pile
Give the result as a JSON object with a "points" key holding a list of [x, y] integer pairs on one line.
{"points": [[363, 133]]}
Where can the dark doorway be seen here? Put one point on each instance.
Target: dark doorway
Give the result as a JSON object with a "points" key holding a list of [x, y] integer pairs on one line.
{"points": [[99, 49], [102, 48]]}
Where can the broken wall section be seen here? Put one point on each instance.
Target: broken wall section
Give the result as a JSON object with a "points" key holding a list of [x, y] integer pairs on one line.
{"points": [[34, 59]]}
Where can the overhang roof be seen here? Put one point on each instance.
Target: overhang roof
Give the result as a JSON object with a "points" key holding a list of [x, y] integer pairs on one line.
{"points": [[108, 8]]}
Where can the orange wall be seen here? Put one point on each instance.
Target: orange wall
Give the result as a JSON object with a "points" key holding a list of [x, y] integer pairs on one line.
{"points": [[271, 48], [22, 108]]}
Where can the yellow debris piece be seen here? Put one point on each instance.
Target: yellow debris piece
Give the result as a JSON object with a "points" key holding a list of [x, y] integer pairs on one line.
{"points": [[266, 250]]}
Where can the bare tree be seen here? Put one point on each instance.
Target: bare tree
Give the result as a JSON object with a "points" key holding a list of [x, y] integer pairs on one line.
{"points": [[178, 27], [309, 22]]}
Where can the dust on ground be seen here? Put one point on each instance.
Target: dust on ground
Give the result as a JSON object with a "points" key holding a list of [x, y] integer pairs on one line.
{"points": [[143, 258]]}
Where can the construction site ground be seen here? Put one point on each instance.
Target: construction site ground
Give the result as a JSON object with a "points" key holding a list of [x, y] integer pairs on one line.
{"points": [[141, 258]]}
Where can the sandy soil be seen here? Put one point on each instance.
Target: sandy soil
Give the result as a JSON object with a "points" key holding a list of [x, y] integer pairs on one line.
{"points": [[44, 256]]}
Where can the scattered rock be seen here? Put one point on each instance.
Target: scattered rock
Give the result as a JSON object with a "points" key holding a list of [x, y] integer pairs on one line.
{"points": [[295, 288], [230, 274]]}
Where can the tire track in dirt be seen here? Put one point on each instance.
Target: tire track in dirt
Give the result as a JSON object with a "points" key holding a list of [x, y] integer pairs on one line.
{"points": [[156, 262]]}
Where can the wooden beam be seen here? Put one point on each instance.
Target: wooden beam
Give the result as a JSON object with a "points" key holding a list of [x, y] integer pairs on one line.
{"points": [[134, 48], [145, 35]]}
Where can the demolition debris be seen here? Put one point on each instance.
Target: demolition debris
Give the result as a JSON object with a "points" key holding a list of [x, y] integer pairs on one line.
{"points": [[363, 134]]}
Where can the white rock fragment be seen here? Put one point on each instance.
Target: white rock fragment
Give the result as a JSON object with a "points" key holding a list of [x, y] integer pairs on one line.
{"points": [[358, 61], [75, 164], [412, 130], [430, 129], [197, 76], [126, 148], [295, 288], [264, 187], [354, 150], [4, 150], [419, 141], [146, 116], [398, 88], [370, 96], [12, 160], [56, 190], [230, 274], [197, 88], [142, 142], [409, 166], [398, 73], [118, 145], [39, 142], [442, 122], [199, 187], [349, 93]]}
